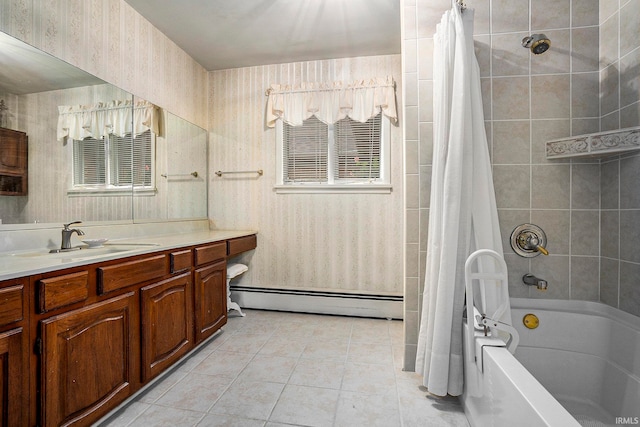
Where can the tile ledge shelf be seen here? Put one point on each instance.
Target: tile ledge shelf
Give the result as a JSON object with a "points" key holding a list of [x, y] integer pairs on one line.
{"points": [[594, 145]]}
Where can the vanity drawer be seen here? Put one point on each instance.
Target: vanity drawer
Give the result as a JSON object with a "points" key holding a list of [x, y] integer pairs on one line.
{"points": [[113, 277], [210, 253], [56, 292], [241, 244], [180, 261], [12, 303]]}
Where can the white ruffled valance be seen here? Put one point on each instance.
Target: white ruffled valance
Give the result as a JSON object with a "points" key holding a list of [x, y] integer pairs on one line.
{"points": [[104, 118], [330, 102]]}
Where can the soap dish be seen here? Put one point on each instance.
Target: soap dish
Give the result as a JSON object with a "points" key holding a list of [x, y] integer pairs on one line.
{"points": [[95, 243]]}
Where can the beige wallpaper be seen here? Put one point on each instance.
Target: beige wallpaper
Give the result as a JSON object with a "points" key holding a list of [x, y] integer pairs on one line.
{"points": [[112, 41], [345, 242]]}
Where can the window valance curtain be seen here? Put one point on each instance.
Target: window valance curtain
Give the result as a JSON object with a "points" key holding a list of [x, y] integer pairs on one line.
{"points": [[330, 102], [104, 118]]}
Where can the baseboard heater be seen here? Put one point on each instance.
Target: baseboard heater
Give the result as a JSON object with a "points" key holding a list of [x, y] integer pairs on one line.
{"points": [[321, 302]]}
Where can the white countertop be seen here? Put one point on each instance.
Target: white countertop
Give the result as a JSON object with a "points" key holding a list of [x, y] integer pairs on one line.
{"points": [[29, 262]]}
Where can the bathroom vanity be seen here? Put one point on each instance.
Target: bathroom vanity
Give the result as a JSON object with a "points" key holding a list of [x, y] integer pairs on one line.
{"points": [[78, 335]]}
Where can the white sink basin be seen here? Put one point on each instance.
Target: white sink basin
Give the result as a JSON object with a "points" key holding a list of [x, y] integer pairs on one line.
{"points": [[84, 253]]}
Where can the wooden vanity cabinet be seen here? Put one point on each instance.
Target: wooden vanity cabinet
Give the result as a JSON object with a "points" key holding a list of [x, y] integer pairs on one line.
{"points": [[210, 299], [77, 342], [210, 289], [167, 323], [14, 354], [88, 361], [13, 162]]}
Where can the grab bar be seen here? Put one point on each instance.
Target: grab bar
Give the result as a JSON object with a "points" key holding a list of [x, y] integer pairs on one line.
{"points": [[489, 321]]}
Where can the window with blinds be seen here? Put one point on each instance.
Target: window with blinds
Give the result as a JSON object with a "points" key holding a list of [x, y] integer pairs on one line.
{"points": [[113, 162], [358, 149], [89, 162], [305, 152], [343, 153]]}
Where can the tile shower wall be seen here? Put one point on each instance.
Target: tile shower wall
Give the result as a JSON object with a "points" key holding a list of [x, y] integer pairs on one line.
{"points": [[619, 63], [620, 195], [527, 100], [112, 41], [341, 242]]}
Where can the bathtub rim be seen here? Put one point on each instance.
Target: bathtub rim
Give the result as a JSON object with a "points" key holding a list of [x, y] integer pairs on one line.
{"points": [[530, 396], [551, 411], [578, 306]]}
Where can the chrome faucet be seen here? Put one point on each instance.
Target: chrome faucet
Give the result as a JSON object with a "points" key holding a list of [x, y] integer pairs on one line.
{"points": [[66, 235], [531, 280]]}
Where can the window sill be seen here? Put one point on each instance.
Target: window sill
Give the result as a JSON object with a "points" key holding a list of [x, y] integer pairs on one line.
{"points": [[87, 192], [333, 189]]}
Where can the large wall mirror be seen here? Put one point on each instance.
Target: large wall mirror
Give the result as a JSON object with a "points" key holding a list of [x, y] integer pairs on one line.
{"points": [[149, 165]]}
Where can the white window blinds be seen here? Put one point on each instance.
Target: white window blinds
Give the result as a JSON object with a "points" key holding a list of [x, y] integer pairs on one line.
{"points": [[358, 149], [89, 162], [305, 152], [113, 161], [345, 152]]}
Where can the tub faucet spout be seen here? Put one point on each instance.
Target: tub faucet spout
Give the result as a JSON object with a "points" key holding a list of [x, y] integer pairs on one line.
{"points": [[531, 280]]}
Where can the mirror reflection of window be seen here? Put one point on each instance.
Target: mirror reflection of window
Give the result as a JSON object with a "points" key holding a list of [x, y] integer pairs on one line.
{"points": [[114, 162], [101, 188]]}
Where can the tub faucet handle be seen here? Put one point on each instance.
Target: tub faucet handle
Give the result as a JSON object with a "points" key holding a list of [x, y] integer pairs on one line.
{"points": [[534, 243], [529, 240]]}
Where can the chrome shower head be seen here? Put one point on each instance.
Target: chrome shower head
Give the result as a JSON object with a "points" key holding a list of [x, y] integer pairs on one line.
{"points": [[538, 43]]}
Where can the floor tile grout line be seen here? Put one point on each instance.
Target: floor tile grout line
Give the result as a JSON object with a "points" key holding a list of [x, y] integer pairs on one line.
{"points": [[340, 390], [285, 386]]}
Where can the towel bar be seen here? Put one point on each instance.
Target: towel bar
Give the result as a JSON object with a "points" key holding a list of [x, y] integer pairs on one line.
{"points": [[193, 174], [220, 173]]}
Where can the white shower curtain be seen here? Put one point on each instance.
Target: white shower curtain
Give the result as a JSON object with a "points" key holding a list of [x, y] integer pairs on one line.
{"points": [[463, 215]]}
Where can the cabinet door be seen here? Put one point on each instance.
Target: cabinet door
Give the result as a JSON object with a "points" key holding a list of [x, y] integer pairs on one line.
{"points": [[13, 162], [167, 323], [88, 361], [211, 299], [13, 151], [13, 372]]}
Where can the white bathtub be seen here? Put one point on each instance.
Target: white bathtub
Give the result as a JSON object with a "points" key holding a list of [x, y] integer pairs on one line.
{"points": [[581, 366]]}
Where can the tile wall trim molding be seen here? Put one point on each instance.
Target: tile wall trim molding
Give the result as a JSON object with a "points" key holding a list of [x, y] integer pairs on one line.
{"points": [[595, 145]]}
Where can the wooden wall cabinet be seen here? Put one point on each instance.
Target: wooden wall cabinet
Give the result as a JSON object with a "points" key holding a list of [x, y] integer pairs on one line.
{"points": [[13, 162]]}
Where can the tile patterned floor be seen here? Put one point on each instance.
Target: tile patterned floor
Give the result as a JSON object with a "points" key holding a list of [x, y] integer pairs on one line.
{"points": [[272, 369]]}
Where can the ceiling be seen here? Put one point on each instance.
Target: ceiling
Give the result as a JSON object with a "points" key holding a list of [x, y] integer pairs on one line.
{"points": [[222, 34]]}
